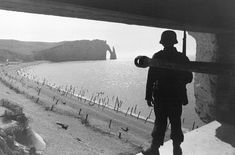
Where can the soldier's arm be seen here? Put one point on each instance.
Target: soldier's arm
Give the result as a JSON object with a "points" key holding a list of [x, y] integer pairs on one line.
{"points": [[149, 85], [151, 78]]}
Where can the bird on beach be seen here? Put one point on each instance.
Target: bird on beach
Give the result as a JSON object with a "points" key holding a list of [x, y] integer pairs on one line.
{"points": [[63, 126]]}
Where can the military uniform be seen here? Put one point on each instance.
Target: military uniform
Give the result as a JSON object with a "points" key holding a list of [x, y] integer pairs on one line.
{"points": [[167, 88]]}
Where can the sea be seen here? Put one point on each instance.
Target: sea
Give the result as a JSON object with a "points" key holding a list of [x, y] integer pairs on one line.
{"points": [[118, 80]]}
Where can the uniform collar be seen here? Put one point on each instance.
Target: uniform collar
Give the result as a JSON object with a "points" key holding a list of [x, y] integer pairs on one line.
{"points": [[171, 48]]}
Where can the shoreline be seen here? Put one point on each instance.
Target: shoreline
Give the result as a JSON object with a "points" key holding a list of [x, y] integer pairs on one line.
{"points": [[131, 105], [128, 112], [104, 121]]}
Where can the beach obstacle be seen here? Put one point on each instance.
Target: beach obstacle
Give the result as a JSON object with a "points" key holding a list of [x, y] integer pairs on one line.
{"points": [[80, 110], [110, 122], [63, 126], [52, 107], [37, 100], [86, 119], [131, 111], [39, 91], [135, 109], [127, 111], [120, 135], [138, 115], [57, 101], [125, 129], [146, 119], [193, 125]]}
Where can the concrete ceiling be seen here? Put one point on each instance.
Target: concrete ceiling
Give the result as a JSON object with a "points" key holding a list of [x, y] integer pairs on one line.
{"points": [[194, 15]]}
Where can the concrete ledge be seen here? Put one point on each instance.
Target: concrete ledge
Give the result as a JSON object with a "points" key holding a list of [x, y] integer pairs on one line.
{"points": [[212, 139]]}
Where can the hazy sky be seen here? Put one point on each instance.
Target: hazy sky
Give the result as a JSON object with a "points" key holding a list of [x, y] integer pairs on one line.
{"points": [[128, 40]]}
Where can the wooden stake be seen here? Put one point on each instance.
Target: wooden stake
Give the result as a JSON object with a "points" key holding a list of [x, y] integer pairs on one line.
{"points": [[120, 135], [80, 110], [110, 122], [127, 111], [86, 117], [138, 115]]}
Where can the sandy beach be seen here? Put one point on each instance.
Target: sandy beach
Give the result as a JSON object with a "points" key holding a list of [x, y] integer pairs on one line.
{"points": [[91, 129]]}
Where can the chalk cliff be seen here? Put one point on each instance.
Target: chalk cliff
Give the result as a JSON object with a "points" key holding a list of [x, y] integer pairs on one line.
{"points": [[76, 50], [14, 50]]}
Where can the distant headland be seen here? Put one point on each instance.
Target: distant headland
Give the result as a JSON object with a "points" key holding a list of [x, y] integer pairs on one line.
{"points": [[79, 50]]}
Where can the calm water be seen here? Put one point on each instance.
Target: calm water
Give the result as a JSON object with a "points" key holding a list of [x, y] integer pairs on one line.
{"points": [[119, 78]]}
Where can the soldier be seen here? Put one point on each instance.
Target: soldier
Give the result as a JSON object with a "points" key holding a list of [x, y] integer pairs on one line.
{"points": [[166, 92]]}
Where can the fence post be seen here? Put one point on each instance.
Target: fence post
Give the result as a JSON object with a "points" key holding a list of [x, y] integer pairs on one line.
{"points": [[80, 110], [193, 125], [86, 117], [120, 135], [110, 122], [37, 100], [138, 115], [131, 111], [127, 111], [52, 107]]}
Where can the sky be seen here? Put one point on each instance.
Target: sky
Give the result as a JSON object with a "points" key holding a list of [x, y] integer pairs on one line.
{"points": [[128, 40]]}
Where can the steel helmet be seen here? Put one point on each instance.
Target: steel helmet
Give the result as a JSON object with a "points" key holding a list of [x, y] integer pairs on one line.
{"points": [[168, 38]]}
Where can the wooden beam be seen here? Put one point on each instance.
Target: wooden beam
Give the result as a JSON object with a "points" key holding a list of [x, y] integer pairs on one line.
{"points": [[192, 66]]}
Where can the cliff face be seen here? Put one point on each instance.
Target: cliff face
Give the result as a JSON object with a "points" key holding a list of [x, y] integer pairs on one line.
{"points": [[75, 50], [62, 51], [25, 47]]}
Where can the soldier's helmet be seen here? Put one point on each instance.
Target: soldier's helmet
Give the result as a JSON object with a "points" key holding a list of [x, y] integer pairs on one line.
{"points": [[168, 38]]}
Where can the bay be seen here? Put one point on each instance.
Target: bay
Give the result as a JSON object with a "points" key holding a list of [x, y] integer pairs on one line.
{"points": [[114, 78]]}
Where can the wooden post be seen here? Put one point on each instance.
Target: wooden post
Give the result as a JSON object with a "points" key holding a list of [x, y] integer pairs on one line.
{"points": [[57, 101], [39, 90], [80, 110], [37, 100], [131, 111], [52, 107], [193, 125], [135, 109], [127, 111], [120, 135], [146, 120], [138, 115], [150, 113], [110, 122], [86, 117]]}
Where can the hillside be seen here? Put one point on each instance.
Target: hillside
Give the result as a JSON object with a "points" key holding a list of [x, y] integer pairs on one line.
{"points": [[25, 47], [6, 55], [14, 50]]}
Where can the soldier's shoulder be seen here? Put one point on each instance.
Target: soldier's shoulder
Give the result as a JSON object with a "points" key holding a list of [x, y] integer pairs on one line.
{"points": [[158, 54], [182, 56]]}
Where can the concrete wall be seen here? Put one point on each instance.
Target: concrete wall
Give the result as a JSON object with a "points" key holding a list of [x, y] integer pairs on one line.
{"points": [[205, 84], [215, 95], [225, 96]]}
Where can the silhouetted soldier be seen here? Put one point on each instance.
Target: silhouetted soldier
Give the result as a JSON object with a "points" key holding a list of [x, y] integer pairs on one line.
{"points": [[166, 91]]}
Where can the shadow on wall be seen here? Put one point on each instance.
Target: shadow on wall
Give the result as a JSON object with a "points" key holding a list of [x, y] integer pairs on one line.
{"points": [[226, 133]]}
